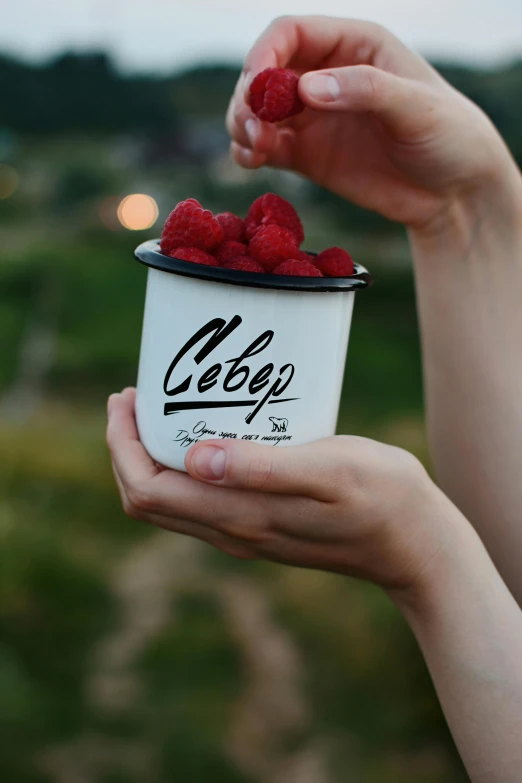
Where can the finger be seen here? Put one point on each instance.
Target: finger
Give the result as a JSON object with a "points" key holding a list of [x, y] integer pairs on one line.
{"points": [[149, 490], [215, 538], [261, 135], [281, 153], [249, 132], [172, 494], [247, 158], [310, 471], [119, 484], [241, 123], [302, 41], [166, 496], [305, 42], [404, 106], [294, 519], [238, 114], [236, 130], [245, 129], [133, 463]]}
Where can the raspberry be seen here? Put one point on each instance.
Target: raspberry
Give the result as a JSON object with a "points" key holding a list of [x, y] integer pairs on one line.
{"points": [[272, 245], [244, 264], [302, 255], [273, 210], [195, 255], [297, 268], [232, 225], [274, 96], [335, 262], [228, 251], [189, 225]]}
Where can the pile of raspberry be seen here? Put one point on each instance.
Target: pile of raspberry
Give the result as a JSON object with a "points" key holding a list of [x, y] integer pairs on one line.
{"points": [[267, 241]]}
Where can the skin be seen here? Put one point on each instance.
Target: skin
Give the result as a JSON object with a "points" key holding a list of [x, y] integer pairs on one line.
{"points": [[410, 147], [401, 140]]}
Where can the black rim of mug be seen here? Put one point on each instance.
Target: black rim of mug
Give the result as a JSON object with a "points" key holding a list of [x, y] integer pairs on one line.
{"points": [[148, 253]]}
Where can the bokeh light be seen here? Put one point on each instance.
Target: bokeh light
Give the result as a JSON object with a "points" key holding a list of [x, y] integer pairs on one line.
{"points": [[9, 180], [138, 212]]}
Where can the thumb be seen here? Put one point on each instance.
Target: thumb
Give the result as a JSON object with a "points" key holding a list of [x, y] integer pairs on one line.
{"points": [[403, 105], [294, 470]]}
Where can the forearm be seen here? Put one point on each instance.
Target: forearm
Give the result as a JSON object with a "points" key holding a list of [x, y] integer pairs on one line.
{"points": [[469, 285], [469, 628]]}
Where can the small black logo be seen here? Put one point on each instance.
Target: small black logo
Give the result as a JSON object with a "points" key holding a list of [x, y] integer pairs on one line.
{"points": [[278, 425]]}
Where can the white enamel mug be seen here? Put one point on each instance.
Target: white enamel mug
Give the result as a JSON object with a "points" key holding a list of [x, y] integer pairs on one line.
{"points": [[230, 354]]}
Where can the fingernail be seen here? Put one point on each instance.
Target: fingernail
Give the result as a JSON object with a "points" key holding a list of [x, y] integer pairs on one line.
{"points": [[209, 463], [322, 87], [247, 80], [251, 131], [242, 155]]}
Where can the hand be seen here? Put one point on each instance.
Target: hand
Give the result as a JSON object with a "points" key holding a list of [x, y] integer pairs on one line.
{"points": [[382, 128], [342, 504]]}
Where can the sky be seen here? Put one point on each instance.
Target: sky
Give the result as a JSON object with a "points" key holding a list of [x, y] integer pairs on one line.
{"points": [[164, 34]]}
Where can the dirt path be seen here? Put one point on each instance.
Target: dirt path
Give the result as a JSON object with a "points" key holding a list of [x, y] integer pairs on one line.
{"points": [[146, 585], [272, 713], [266, 737]]}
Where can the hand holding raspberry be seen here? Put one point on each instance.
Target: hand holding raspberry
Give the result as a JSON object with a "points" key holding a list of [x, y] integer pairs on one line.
{"points": [[382, 128]]}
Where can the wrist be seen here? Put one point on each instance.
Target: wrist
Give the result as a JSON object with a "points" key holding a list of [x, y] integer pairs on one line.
{"points": [[462, 611], [454, 559], [489, 210]]}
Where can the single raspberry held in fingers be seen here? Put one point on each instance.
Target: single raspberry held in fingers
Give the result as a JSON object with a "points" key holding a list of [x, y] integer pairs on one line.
{"points": [[272, 245], [335, 262], [297, 268], [274, 96], [189, 225], [271, 209], [228, 251], [195, 255], [232, 225], [245, 264]]}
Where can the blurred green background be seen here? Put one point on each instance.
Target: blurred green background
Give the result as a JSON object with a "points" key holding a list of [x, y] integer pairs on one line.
{"points": [[128, 655]]}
